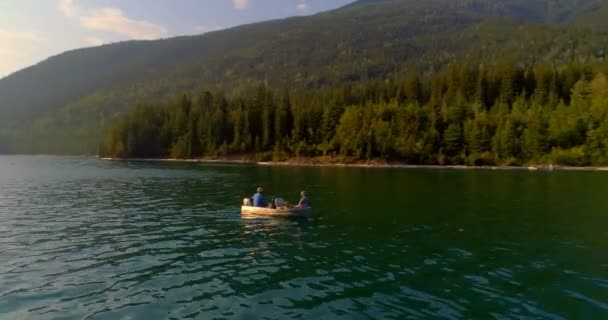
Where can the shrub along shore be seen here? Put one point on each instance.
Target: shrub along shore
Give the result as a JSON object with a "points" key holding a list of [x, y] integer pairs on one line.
{"points": [[324, 162]]}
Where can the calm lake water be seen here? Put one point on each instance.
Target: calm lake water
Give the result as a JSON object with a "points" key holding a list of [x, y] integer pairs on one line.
{"points": [[82, 238]]}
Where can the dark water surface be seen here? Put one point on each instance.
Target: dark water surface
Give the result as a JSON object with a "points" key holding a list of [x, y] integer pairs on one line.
{"points": [[82, 238]]}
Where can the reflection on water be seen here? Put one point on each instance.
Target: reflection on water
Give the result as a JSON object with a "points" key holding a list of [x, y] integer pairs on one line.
{"points": [[81, 238]]}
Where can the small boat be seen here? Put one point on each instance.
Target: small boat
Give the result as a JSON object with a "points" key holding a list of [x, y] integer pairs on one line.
{"points": [[282, 209], [278, 212]]}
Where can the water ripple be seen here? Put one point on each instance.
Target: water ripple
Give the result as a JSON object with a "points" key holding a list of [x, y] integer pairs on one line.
{"points": [[85, 239]]}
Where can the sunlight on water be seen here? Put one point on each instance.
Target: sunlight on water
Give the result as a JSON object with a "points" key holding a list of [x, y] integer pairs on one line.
{"points": [[82, 238]]}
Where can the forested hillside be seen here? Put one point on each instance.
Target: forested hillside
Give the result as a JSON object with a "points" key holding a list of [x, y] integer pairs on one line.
{"points": [[64, 104], [468, 115]]}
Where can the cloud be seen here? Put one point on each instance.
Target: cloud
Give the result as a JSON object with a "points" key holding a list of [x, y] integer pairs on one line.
{"points": [[302, 6], [12, 35], [241, 4], [68, 8], [112, 20], [205, 28], [95, 41], [17, 46], [10, 61]]}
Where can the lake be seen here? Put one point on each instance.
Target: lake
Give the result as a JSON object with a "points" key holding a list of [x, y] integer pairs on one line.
{"points": [[82, 238]]}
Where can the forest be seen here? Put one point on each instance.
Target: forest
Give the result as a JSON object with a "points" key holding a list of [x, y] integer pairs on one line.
{"points": [[504, 114], [62, 104]]}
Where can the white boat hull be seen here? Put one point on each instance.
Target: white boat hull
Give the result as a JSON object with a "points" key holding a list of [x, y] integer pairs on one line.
{"points": [[280, 212]]}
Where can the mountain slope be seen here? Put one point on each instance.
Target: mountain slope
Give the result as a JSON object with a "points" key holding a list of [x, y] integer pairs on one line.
{"points": [[61, 104]]}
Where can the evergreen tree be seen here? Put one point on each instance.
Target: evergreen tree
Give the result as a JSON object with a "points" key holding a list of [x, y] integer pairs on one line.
{"points": [[283, 120], [467, 114], [453, 139]]}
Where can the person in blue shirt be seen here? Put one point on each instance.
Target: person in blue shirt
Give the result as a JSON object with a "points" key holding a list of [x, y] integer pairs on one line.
{"points": [[304, 200], [258, 199]]}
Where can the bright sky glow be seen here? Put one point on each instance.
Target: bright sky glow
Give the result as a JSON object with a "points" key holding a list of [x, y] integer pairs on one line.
{"points": [[32, 30]]}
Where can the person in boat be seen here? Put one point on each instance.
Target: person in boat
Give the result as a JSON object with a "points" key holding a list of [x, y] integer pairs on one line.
{"points": [[304, 200], [258, 198]]}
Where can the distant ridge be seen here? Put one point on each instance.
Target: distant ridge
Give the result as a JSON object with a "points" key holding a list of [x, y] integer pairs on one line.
{"points": [[61, 104]]}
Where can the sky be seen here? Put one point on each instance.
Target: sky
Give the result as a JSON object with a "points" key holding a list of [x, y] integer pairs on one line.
{"points": [[33, 30]]}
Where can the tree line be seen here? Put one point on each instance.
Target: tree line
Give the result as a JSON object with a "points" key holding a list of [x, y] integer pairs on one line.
{"points": [[506, 114]]}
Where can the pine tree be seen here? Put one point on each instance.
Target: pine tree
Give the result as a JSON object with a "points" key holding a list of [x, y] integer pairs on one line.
{"points": [[453, 139], [505, 141], [283, 120], [534, 136], [461, 115]]}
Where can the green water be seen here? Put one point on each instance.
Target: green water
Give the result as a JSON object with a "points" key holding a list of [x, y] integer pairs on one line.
{"points": [[82, 238]]}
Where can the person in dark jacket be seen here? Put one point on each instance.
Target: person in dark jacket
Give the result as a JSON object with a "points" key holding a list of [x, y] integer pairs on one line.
{"points": [[304, 200], [258, 198]]}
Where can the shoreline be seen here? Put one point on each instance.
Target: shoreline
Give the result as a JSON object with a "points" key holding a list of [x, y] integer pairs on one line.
{"points": [[371, 165]]}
